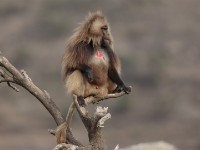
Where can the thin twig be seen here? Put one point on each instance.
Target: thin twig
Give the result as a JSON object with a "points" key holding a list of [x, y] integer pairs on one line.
{"points": [[89, 100], [8, 79], [13, 87], [70, 113], [81, 110]]}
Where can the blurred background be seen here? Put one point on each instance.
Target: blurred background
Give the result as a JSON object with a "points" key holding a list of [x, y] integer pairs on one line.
{"points": [[158, 44]]}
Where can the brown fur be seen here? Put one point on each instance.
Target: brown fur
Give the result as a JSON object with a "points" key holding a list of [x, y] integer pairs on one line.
{"points": [[79, 52], [61, 133], [81, 49]]}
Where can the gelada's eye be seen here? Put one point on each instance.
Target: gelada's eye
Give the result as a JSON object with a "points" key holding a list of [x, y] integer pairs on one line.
{"points": [[104, 28]]}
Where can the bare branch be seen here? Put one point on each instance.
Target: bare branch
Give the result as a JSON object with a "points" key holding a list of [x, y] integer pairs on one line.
{"points": [[83, 114], [13, 87], [70, 113], [10, 68], [21, 78], [81, 110], [93, 125], [89, 100], [8, 79]]}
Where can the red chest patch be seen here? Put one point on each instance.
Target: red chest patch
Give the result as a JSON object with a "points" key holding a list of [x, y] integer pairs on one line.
{"points": [[99, 55]]}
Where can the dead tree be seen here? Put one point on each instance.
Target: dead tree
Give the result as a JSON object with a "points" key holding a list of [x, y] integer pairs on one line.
{"points": [[12, 76]]}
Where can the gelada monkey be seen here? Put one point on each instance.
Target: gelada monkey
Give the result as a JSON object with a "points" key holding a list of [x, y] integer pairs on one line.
{"points": [[90, 67]]}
